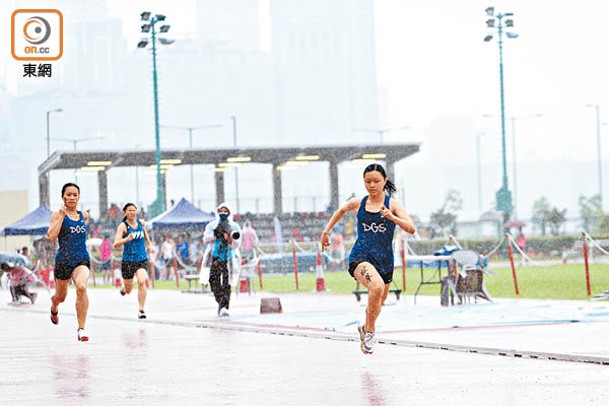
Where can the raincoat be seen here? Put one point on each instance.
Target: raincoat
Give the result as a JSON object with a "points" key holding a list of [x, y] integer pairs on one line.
{"points": [[210, 242]]}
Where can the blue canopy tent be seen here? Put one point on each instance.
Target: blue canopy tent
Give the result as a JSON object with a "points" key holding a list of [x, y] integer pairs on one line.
{"points": [[35, 223], [183, 215]]}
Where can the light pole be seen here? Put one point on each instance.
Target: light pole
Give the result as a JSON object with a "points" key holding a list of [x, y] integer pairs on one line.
{"points": [[190, 131], [380, 132], [513, 120], [49, 130], [598, 150], [234, 121], [504, 196], [479, 172], [75, 142], [158, 206]]}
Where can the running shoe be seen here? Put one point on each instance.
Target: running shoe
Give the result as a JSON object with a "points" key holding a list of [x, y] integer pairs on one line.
{"points": [[367, 344], [82, 336], [123, 293], [141, 315], [54, 317], [223, 312]]}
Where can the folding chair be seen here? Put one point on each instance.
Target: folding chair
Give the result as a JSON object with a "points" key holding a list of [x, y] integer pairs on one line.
{"points": [[465, 279]]}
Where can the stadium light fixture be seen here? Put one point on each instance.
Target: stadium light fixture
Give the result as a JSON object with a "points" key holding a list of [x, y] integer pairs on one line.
{"points": [[503, 196], [99, 163], [239, 159], [307, 158], [49, 129], [158, 206]]}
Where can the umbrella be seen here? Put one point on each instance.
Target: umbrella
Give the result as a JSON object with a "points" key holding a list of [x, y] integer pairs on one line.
{"points": [[515, 224], [93, 242], [13, 259]]}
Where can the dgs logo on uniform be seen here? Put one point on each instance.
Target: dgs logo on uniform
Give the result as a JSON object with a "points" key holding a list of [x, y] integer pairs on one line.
{"points": [[37, 35]]}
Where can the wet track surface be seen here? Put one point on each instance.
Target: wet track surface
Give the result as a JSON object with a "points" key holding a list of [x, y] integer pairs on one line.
{"points": [[507, 352]]}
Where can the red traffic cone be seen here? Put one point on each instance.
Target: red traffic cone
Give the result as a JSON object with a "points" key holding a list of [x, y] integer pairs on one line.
{"points": [[320, 286]]}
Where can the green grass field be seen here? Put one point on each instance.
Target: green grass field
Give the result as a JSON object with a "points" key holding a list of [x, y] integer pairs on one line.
{"points": [[566, 282]]}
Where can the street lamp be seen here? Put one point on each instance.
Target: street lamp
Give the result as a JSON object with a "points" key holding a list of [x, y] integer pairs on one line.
{"points": [[75, 142], [234, 121], [598, 150], [49, 130], [496, 20], [149, 27], [380, 132], [479, 173], [513, 119], [190, 130]]}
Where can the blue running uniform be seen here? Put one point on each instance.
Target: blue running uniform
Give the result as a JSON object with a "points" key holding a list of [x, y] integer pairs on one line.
{"points": [[135, 250], [374, 243], [72, 248]]}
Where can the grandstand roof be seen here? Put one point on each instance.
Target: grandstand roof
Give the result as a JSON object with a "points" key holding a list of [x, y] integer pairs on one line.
{"points": [[215, 156]]}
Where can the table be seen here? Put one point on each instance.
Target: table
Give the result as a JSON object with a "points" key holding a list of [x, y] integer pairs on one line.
{"points": [[428, 258]]}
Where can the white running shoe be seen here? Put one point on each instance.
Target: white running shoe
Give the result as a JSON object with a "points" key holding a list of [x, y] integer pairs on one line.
{"points": [[141, 315], [223, 312], [367, 344], [82, 336]]}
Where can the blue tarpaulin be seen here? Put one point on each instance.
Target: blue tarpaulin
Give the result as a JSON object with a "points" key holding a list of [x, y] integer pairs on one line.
{"points": [[35, 223], [183, 215]]}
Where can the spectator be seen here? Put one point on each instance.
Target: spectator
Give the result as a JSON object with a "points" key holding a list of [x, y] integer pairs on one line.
{"points": [[521, 242], [105, 255], [18, 283], [337, 250], [168, 249], [182, 249], [26, 253], [249, 242]]}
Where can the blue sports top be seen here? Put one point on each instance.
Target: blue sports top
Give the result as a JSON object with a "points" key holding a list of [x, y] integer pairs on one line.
{"points": [[374, 243], [72, 236], [135, 250], [224, 251]]}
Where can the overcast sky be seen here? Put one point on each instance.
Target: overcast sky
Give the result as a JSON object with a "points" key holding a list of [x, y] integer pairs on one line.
{"points": [[438, 77]]}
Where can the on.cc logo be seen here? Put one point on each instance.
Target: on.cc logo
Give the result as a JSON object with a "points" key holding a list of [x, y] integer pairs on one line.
{"points": [[36, 30]]}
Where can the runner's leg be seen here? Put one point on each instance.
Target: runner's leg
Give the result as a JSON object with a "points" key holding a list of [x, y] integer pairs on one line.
{"points": [[368, 276], [142, 278], [80, 276]]}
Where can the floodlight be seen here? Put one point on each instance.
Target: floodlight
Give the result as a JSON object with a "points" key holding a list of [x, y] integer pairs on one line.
{"points": [[166, 41], [490, 22], [509, 22], [160, 17], [490, 11], [146, 27], [143, 42], [145, 16], [164, 28], [488, 38], [511, 34]]}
